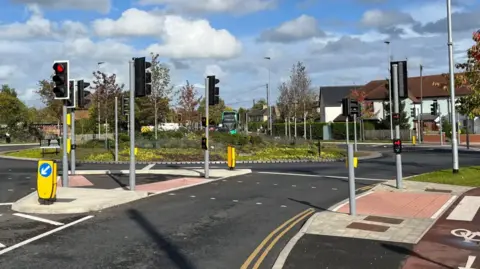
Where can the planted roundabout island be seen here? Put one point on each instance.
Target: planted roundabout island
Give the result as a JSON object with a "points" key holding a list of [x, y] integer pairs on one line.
{"points": [[186, 147]]}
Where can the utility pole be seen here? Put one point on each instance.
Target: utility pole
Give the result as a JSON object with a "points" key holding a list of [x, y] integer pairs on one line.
{"points": [[116, 128], [304, 122], [390, 89], [420, 120]]}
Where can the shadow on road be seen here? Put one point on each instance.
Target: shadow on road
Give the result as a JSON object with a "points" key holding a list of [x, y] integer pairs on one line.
{"points": [[406, 251], [120, 184], [180, 260], [310, 205]]}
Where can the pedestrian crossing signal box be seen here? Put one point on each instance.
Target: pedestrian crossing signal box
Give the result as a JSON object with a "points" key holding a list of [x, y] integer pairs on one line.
{"points": [[47, 182], [397, 146]]}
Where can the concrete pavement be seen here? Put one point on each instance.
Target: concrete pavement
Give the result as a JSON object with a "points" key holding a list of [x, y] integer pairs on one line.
{"points": [[389, 222]]}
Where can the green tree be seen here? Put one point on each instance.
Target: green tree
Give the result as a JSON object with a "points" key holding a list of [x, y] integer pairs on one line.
{"points": [[7, 90], [52, 107], [260, 104], [214, 112], [13, 110]]}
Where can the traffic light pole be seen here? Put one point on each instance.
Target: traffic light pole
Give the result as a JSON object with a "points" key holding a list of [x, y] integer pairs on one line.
{"points": [[355, 132], [73, 146], [346, 126], [116, 128], [132, 125], [64, 147], [207, 153], [398, 156]]}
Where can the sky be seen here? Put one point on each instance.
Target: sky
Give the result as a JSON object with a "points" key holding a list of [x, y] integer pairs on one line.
{"points": [[341, 42]]}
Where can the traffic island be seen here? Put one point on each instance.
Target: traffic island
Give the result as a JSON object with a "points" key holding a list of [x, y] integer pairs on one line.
{"points": [[77, 200]]}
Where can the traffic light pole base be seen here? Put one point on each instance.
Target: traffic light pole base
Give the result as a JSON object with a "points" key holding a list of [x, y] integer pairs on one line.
{"points": [[398, 161], [455, 171]]}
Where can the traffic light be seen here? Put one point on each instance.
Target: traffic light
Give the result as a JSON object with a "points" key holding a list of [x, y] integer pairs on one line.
{"points": [[397, 146], [125, 105], [61, 80], [346, 107], [204, 143], [434, 108], [354, 108], [204, 121], [213, 91], [71, 93], [82, 102], [143, 78], [413, 112]]}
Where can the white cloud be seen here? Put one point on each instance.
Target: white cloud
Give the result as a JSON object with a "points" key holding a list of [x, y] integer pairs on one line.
{"points": [[181, 38], [98, 5], [301, 28], [215, 6]]}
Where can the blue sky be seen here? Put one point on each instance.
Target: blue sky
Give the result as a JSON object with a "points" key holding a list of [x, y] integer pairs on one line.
{"points": [[339, 41]]}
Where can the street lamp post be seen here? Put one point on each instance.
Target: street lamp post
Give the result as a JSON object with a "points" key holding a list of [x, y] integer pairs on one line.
{"points": [[452, 88], [270, 125], [98, 105], [389, 88]]}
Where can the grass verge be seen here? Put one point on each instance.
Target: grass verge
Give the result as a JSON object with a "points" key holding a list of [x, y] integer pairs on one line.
{"points": [[467, 176]]}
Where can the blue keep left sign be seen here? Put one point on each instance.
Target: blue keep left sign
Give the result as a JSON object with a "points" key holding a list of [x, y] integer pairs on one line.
{"points": [[45, 170]]}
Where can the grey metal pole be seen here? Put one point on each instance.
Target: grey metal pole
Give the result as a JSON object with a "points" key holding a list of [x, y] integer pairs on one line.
{"points": [[286, 128], [132, 125], [355, 131], [346, 126], [390, 89], [116, 128], [268, 104], [420, 120], [398, 157], [64, 146], [452, 88], [351, 181], [207, 153], [73, 146]]}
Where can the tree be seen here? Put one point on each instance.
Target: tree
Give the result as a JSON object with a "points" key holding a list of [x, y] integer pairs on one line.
{"points": [[105, 90], [161, 90], [188, 102], [367, 110], [403, 121], [259, 104], [13, 110], [214, 112], [53, 107]]}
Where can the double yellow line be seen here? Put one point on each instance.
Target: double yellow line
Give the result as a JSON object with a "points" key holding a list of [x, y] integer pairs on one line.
{"points": [[293, 221]]}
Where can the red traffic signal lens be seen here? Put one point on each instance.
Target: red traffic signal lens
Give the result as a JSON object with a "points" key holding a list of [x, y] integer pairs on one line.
{"points": [[58, 67]]}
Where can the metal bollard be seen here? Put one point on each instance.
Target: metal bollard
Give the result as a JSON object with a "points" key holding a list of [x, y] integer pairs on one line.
{"points": [[351, 180]]}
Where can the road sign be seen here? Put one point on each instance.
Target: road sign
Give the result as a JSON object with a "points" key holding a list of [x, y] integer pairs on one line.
{"points": [[45, 169]]}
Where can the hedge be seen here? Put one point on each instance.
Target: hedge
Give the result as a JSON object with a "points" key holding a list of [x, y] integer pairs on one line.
{"points": [[338, 130]]}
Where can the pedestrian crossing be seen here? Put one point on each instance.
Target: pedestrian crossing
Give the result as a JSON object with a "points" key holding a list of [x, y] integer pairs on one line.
{"points": [[466, 210]]}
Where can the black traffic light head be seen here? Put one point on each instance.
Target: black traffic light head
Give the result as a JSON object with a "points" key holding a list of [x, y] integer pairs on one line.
{"points": [[354, 108], [204, 121], [82, 102], [413, 112], [204, 143], [434, 108], [397, 146], [125, 105], [346, 107], [61, 79], [143, 78], [213, 91]]}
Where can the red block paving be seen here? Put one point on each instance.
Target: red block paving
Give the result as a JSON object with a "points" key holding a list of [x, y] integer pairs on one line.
{"points": [[75, 181], [399, 204], [170, 184]]}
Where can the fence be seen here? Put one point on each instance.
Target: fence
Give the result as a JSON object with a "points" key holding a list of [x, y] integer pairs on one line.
{"points": [[386, 134]]}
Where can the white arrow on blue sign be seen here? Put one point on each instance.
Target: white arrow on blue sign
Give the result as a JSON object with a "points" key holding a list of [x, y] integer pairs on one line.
{"points": [[45, 170]]}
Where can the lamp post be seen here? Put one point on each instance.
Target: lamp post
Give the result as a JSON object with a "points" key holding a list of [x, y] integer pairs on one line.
{"points": [[268, 99], [389, 88]]}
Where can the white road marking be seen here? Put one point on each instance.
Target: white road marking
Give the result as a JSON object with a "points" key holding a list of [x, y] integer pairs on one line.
{"points": [[148, 167], [258, 182], [171, 193], [294, 186], [275, 184], [259, 203], [235, 201], [27, 177], [2, 245], [283, 206], [445, 206], [30, 240], [314, 187], [6, 204], [10, 189], [9, 178], [224, 180], [193, 196], [213, 198], [38, 219], [346, 202], [466, 209], [239, 181], [470, 261]]}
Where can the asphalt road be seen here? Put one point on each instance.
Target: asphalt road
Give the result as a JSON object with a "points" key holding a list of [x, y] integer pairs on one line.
{"points": [[216, 225]]}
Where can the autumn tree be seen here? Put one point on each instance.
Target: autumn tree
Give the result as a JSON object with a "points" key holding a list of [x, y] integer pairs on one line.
{"points": [[367, 111], [188, 102], [105, 90], [53, 107], [161, 90]]}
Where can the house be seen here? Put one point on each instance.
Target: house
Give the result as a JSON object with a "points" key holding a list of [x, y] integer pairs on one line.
{"points": [[330, 101], [261, 115]]}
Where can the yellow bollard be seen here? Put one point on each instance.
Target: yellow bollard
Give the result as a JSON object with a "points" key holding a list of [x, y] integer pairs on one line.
{"points": [[414, 140], [47, 182], [229, 156], [355, 162], [234, 159], [135, 151]]}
